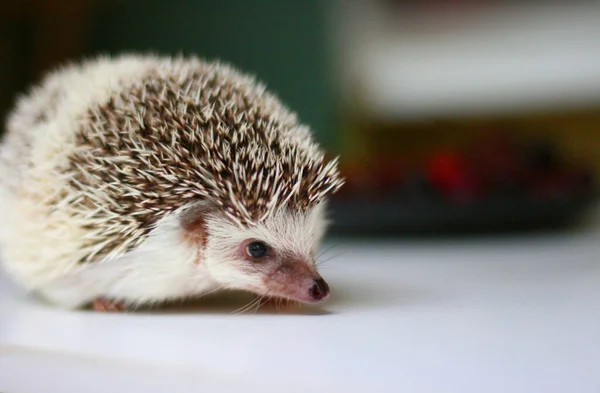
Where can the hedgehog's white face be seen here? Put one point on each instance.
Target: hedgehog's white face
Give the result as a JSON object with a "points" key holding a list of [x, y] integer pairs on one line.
{"points": [[275, 258]]}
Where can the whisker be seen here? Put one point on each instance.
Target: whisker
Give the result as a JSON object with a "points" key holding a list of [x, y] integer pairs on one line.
{"points": [[245, 307], [260, 303], [255, 304], [250, 306], [208, 293], [320, 263], [327, 250]]}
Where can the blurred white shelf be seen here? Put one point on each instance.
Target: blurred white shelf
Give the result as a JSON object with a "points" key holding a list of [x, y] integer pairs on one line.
{"points": [[506, 315], [495, 59]]}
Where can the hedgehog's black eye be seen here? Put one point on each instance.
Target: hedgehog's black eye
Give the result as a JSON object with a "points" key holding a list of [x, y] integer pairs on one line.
{"points": [[257, 249]]}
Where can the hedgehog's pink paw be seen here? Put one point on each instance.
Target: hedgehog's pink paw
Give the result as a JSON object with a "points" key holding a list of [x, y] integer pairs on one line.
{"points": [[107, 305]]}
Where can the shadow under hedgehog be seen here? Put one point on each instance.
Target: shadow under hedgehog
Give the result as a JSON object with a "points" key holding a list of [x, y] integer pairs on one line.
{"points": [[140, 179]]}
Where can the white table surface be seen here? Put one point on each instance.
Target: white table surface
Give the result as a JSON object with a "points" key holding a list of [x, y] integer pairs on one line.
{"points": [[488, 316]]}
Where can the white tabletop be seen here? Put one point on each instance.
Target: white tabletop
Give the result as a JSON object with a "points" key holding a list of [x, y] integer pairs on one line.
{"points": [[488, 316]]}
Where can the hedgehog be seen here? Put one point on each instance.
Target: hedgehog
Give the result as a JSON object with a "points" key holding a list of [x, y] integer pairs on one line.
{"points": [[138, 179]]}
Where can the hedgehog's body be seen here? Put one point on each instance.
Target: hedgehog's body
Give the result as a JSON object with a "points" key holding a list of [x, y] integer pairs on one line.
{"points": [[139, 179]]}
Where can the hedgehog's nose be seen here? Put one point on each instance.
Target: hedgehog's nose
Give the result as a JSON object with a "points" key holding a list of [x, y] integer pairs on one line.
{"points": [[319, 289]]}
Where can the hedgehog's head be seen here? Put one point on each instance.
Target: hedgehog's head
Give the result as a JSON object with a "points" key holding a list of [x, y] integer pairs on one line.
{"points": [[275, 257]]}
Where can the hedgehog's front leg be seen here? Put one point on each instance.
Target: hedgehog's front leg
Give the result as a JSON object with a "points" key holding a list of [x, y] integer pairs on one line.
{"points": [[108, 305]]}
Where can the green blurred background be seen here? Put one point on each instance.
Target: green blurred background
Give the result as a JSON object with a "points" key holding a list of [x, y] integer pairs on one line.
{"points": [[283, 42], [402, 90]]}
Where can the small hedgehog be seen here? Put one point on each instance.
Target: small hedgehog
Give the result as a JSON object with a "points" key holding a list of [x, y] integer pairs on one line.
{"points": [[140, 179]]}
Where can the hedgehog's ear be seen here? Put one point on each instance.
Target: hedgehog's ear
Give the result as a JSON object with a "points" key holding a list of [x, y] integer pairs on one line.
{"points": [[192, 218]]}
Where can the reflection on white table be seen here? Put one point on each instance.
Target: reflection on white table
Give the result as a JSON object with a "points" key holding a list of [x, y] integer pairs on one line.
{"points": [[494, 316]]}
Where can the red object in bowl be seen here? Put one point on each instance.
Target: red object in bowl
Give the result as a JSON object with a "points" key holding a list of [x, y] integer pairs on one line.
{"points": [[446, 170], [450, 173]]}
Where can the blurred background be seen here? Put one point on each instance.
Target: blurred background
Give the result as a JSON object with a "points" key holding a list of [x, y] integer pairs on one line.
{"points": [[450, 116]]}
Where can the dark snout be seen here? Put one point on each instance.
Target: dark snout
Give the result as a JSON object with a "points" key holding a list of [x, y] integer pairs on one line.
{"points": [[298, 280], [319, 290]]}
